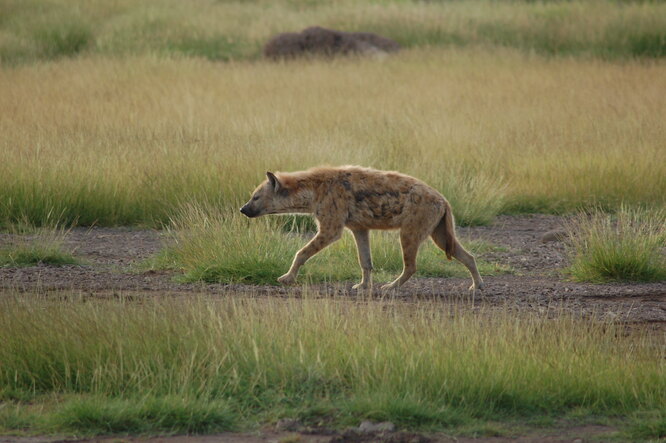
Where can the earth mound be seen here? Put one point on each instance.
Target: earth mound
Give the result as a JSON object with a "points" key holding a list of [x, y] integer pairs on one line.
{"points": [[318, 41]]}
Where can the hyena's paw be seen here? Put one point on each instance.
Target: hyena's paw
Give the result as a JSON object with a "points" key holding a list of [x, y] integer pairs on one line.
{"points": [[476, 287], [287, 279], [361, 286], [389, 287]]}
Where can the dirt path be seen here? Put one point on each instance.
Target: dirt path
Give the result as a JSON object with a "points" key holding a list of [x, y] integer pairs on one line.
{"points": [[560, 434], [536, 285]]}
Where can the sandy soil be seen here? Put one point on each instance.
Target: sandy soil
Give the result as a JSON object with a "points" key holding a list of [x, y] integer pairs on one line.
{"points": [[537, 284]]}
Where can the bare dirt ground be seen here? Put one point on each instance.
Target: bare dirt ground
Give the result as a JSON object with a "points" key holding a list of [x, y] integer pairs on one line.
{"points": [[570, 434], [537, 284]]}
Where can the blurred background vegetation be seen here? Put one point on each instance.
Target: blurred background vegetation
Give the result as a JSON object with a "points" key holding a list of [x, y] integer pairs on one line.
{"points": [[232, 30]]}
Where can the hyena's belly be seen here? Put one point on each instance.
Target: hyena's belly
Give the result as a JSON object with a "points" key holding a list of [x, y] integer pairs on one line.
{"points": [[377, 210]]}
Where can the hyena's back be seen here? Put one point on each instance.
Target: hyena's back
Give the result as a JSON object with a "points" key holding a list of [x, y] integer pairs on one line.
{"points": [[381, 199]]}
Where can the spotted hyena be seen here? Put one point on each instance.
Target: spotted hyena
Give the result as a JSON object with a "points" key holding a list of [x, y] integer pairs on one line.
{"points": [[361, 199]]}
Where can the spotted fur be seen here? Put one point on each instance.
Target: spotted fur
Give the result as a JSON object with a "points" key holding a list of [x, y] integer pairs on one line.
{"points": [[361, 199]]}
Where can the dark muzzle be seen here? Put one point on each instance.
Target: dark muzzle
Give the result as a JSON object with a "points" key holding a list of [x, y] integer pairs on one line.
{"points": [[247, 212]]}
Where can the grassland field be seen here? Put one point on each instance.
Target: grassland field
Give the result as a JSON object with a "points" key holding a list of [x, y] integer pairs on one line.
{"points": [[162, 115]]}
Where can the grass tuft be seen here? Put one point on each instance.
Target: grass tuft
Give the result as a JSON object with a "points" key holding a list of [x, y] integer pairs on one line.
{"points": [[407, 411], [170, 414], [44, 247], [627, 246], [14, 418], [65, 39], [647, 426]]}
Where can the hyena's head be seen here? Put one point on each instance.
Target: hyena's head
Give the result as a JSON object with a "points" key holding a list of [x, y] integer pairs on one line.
{"points": [[276, 197]]}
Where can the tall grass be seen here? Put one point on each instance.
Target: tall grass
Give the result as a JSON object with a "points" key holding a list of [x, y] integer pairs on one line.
{"points": [[129, 141], [252, 360], [630, 245], [226, 247], [32, 30]]}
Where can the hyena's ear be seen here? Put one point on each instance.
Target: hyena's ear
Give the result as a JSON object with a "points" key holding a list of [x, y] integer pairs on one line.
{"points": [[275, 183]]}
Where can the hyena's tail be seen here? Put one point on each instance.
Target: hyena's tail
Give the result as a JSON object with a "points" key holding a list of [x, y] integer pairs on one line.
{"points": [[444, 233]]}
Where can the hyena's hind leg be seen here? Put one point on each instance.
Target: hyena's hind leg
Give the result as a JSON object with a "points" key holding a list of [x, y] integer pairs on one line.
{"points": [[460, 254], [327, 234], [362, 237], [467, 259], [410, 240]]}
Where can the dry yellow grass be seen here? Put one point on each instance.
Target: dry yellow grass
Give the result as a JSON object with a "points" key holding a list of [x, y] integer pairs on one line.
{"points": [[128, 140]]}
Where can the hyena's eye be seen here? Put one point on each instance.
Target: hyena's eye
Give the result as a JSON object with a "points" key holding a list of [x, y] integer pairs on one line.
{"points": [[255, 198]]}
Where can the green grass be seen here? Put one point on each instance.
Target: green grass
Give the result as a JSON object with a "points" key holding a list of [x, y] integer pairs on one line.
{"points": [[32, 30], [98, 415], [14, 418], [216, 48], [151, 415], [648, 426], [66, 39], [627, 246], [215, 246], [204, 365], [45, 246]]}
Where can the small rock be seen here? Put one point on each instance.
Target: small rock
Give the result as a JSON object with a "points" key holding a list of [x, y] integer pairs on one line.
{"points": [[554, 235], [368, 426], [288, 424]]}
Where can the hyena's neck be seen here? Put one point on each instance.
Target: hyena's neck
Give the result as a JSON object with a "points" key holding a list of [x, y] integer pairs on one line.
{"points": [[303, 201], [303, 194]]}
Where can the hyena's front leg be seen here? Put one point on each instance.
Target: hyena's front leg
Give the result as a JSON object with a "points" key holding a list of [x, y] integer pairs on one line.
{"points": [[362, 238], [327, 234]]}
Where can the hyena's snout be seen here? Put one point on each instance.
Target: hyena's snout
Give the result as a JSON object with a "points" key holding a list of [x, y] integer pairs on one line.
{"points": [[248, 211]]}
